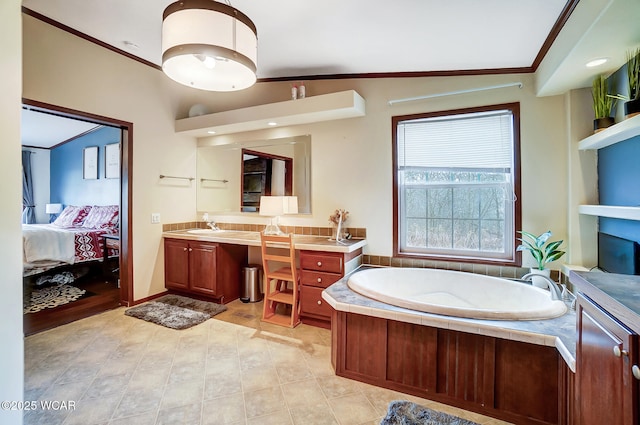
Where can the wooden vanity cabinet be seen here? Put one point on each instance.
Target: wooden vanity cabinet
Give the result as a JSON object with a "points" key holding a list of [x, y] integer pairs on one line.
{"points": [[606, 354], [204, 268]]}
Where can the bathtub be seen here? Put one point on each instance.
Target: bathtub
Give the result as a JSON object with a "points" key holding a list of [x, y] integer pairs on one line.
{"points": [[457, 294]]}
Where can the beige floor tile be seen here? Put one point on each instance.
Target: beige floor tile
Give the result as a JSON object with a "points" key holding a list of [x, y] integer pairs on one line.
{"points": [[183, 415], [264, 402], [281, 417], [144, 419], [302, 393], [93, 411], [219, 385], [104, 386], [182, 393], [317, 414], [259, 378], [353, 409], [224, 410], [335, 386]]}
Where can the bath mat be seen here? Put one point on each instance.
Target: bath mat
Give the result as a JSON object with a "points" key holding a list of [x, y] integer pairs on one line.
{"points": [[207, 307], [176, 312], [407, 413], [54, 296]]}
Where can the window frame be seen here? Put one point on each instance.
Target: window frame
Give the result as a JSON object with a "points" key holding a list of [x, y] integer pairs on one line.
{"points": [[515, 259]]}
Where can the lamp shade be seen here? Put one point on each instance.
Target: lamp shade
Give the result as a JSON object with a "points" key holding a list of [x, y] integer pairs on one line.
{"points": [[274, 206], [209, 46], [53, 208]]}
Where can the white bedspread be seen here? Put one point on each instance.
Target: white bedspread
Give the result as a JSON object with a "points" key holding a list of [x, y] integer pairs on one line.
{"points": [[47, 242]]}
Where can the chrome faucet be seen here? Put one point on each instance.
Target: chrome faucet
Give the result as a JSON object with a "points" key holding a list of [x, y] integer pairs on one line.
{"points": [[556, 293], [210, 223]]}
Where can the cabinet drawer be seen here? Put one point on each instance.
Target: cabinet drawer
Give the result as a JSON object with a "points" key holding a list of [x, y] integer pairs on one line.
{"points": [[311, 302], [321, 262], [319, 279]]}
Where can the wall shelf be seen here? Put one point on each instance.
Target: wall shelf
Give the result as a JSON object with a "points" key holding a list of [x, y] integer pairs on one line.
{"points": [[616, 133], [326, 107], [625, 213]]}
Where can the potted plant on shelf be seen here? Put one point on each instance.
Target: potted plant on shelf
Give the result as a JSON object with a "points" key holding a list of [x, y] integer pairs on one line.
{"points": [[602, 104], [542, 251], [632, 102]]}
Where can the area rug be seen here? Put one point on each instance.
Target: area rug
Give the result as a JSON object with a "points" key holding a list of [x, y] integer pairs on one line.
{"points": [[407, 413], [54, 296], [176, 312]]}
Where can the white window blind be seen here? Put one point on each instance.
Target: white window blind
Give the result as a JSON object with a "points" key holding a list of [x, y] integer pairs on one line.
{"points": [[478, 140]]}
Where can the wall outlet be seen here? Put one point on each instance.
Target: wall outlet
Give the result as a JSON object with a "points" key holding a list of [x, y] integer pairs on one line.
{"points": [[155, 218]]}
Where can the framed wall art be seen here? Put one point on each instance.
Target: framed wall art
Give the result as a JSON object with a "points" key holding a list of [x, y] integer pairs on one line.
{"points": [[112, 161], [90, 163]]}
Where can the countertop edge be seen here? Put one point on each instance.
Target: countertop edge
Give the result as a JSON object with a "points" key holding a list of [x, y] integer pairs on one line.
{"points": [[351, 246]]}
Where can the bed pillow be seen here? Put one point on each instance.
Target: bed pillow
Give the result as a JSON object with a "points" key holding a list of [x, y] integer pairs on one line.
{"points": [[72, 216], [102, 217]]}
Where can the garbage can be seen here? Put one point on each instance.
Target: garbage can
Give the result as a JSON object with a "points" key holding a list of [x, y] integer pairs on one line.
{"points": [[251, 283]]}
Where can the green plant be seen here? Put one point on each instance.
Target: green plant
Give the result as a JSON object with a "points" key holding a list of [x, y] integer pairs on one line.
{"points": [[602, 101], [542, 251], [633, 76]]}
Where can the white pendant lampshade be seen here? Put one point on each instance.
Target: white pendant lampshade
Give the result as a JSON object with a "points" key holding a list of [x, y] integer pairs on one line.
{"points": [[209, 45]]}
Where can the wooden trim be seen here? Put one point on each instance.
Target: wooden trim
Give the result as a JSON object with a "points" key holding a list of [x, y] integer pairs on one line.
{"points": [[87, 37], [569, 7], [126, 194], [516, 259]]}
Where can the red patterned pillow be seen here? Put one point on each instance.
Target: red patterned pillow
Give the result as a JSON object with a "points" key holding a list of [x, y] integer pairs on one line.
{"points": [[102, 217], [72, 216]]}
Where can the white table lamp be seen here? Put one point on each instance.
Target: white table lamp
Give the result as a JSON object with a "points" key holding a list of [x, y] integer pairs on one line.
{"points": [[275, 206], [53, 210]]}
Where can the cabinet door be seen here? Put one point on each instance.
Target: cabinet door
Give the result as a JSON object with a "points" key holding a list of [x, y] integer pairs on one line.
{"points": [[176, 264], [202, 267], [606, 390]]}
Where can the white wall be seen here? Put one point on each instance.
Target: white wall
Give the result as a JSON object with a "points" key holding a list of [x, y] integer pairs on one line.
{"points": [[41, 182], [351, 159], [11, 332]]}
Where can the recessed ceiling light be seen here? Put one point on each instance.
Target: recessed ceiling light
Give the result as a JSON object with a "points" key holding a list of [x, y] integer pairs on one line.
{"points": [[596, 62], [211, 132], [272, 123]]}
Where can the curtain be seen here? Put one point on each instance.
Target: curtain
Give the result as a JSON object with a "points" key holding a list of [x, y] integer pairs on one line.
{"points": [[28, 207]]}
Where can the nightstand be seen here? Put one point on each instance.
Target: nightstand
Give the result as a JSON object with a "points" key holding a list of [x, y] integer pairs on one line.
{"points": [[110, 242]]}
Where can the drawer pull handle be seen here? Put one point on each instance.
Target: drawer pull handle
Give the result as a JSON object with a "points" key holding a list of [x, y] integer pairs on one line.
{"points": [[184, 249], [320, 303], [619, 353], [319, 263], [319, 280], [636, 372]]}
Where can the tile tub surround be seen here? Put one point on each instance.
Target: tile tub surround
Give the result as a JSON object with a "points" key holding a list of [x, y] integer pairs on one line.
{"points": [[231, 369], [559, 332]]}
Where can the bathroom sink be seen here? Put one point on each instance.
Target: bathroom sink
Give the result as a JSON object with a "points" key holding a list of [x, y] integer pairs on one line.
{"points": [[205, 231]]}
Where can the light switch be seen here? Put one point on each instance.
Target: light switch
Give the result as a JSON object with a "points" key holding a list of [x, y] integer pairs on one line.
{"points": [[155, 218]]}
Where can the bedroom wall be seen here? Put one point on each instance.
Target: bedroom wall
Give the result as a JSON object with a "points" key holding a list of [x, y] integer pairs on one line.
{"points": [[40, 171], [11, 331], [67, 185]]}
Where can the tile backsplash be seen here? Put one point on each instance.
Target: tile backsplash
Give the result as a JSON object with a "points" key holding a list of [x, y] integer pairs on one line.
{"points": [[356, 232]]}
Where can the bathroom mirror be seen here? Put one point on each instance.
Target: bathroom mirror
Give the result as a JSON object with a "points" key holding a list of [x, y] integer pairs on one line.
{"points": [[245, 165]]}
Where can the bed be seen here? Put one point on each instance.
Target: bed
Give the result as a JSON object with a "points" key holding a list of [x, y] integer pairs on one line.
{"points": [[74, 237]]}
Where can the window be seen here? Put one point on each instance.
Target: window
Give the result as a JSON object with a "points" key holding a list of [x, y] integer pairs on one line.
{"points": [[457, 184]]}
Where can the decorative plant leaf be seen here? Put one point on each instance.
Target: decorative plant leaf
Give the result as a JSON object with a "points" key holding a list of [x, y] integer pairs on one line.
{"points": [[542, 239], [541, 253]]}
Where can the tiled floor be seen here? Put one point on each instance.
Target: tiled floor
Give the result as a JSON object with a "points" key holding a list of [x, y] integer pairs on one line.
{"points": [[231, 369]]}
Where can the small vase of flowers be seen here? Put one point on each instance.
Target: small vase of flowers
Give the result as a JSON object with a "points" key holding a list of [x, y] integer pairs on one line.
{"points": [[337, 220]]}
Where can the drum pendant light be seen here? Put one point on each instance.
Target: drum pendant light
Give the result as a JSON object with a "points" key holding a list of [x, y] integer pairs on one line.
{"points": [[209, 45]]}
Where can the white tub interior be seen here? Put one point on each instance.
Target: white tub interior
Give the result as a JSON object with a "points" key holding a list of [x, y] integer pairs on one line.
{"points": [[456, 294]]}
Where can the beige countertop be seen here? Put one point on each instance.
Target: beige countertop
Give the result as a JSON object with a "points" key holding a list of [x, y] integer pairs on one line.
{"points": [[239, 237]]}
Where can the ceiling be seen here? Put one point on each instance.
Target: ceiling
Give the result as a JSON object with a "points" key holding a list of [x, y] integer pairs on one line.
{"points": [[342, 38], [44, 130]]}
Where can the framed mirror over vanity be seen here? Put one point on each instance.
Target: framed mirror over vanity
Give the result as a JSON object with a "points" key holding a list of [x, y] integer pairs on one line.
{"points": [[231, 177]]}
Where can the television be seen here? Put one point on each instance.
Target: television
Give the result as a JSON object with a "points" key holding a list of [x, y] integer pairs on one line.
{"points": [[618, 255]]}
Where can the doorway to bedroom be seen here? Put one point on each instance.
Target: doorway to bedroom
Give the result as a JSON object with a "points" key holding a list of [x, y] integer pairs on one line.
{"points": [[76, 214]]}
